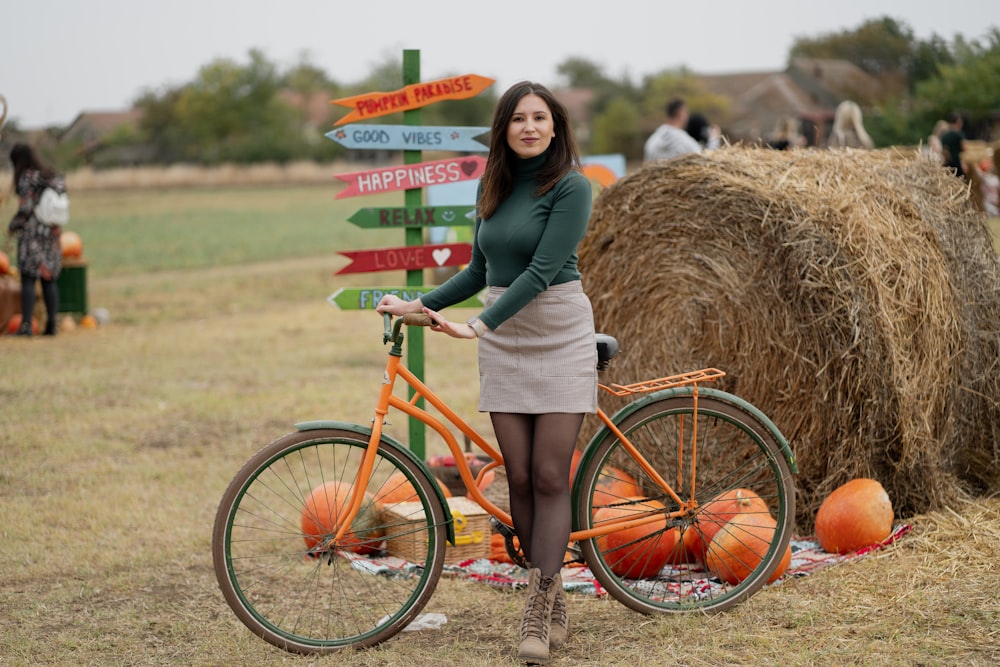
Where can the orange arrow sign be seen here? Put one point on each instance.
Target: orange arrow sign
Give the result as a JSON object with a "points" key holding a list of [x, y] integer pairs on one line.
{"points": [[414, 96]]}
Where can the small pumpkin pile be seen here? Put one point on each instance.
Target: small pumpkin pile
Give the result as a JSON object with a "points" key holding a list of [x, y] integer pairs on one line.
{"points": [[733, 532], [324, 503], [855, 515]]}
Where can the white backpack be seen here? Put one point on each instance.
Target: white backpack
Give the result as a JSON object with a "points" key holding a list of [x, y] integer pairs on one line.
{"points": [[53, 207]]}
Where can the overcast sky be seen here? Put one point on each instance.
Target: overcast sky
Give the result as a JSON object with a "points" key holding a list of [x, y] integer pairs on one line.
{"points": [[61, 57]]}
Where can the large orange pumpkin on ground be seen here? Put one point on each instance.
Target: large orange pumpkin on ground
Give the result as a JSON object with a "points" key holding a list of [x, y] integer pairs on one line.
{"points": [[322, 509], [627, 553], [857, 514], [397, 489], [72, 244], [714, 514], [614, 486], [739, 547]]}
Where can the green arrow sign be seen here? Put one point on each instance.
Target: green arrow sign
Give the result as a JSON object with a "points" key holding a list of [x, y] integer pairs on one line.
{"points": [[366, 298], [423, 216]]}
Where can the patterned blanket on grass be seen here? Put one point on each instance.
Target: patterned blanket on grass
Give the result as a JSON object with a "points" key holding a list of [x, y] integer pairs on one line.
{"points": [[807, 557]]}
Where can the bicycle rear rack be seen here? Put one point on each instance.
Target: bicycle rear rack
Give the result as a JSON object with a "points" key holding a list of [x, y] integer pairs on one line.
{"points": [[691, 377]]}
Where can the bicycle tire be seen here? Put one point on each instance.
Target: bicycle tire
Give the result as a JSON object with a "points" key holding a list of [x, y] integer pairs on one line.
{"points": [[736, 449], [269, 554]]}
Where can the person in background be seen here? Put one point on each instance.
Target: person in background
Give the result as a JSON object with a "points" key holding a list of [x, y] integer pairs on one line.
{"points": [[707, 135], [786, 135], [39, 252], [849, 128], [935, 150], [953, 143], [537, 346], [671, 139]]}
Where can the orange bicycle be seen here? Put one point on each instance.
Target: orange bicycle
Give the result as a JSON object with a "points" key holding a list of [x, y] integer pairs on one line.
{"points": [[303, 529]]}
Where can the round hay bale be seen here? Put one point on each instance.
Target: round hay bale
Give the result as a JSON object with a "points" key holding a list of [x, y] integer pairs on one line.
{"points": [[850, 295]]}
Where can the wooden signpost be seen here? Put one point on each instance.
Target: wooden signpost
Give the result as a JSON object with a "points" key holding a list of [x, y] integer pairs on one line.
{"points": [[404, 137], [412, 96], [411, 178]]}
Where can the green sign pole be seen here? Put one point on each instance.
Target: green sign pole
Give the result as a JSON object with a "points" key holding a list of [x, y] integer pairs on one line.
{"points": [[414, 237]]}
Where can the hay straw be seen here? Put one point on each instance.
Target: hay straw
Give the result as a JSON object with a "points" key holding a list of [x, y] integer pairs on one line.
{"points": [[851, 295]]}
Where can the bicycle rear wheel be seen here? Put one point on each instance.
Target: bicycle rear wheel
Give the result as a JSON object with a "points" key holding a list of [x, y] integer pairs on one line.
{"points": [[661, 567], [273, 560]]}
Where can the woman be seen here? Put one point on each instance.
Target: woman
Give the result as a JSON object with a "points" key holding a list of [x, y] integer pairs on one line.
{"points": [[39, 253], [537, 350], [849, 128]]}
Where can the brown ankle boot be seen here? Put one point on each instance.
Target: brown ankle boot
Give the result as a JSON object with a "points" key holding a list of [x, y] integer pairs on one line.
{"points": [[534, 646], [559, 625]]}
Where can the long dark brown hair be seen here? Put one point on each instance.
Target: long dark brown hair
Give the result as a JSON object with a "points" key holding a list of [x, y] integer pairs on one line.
{"points": [[498, 178], [24, 157]]}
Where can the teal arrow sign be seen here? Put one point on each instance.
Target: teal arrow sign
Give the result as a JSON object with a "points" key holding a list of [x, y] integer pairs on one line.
{"points": [[394, 217], [366, 298], [406, 137]]}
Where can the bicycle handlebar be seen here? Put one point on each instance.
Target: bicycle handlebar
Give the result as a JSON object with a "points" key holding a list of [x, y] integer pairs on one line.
{"points": [[411, 319]]}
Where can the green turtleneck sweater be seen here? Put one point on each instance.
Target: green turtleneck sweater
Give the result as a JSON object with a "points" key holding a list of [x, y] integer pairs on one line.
{"points": [[527, 245]]}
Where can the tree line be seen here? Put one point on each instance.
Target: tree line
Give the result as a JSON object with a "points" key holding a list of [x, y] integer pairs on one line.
{"points": [[247, 112]]}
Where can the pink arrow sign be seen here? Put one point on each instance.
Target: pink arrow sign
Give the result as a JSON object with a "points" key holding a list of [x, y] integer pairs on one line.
{"points": [[406, 258], [405, 177]]}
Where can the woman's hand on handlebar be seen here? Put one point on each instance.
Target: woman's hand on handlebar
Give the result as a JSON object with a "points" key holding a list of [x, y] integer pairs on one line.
{"points": [[393, 305], [453, 329]]}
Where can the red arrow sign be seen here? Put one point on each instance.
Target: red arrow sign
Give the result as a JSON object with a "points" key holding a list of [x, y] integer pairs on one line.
{"points": [[407, 258], [405, 177], [414, 96]]}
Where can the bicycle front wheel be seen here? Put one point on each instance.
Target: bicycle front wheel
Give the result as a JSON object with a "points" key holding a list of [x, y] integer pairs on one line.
{"points": [[725, 462], [273, 552]]}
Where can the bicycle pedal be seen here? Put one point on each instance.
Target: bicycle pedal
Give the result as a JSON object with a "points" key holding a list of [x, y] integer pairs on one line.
{"points": [[500, 527]]}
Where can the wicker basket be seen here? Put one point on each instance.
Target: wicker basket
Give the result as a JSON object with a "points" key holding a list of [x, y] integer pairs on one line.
{"points": [[472, 532]]}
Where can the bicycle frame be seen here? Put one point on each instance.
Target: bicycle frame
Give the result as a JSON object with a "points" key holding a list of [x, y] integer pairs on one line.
{"points": [[395, 370]]}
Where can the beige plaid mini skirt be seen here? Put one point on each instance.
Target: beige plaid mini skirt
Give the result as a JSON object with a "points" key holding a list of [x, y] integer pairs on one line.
{"points": [[544, 358]]}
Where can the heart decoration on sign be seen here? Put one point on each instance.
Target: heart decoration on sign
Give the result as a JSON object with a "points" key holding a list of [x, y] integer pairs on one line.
{"points": [[469, 167], [441, 255]]}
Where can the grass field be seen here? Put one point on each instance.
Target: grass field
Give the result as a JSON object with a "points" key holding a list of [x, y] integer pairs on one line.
{"points": [[116, 446]]}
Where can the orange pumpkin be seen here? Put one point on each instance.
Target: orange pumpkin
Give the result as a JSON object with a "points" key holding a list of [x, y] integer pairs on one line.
{"points": [[4, 263], [739, 546], [14, 323], [71, 243], [615, 485], [639, 552], [857, 514], [498, 548], [322, 508], [397, 489], [88, 322], [714, 514]]}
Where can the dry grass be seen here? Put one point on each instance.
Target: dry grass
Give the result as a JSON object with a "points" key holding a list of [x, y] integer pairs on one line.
{"points": [[116, 445]]}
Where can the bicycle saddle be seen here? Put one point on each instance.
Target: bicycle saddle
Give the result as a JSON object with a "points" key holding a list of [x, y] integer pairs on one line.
{"points": [[607, 348]]}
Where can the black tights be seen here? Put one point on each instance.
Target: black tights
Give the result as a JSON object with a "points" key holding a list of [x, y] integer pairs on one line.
{"points": [[50, 294], [537, 452]]}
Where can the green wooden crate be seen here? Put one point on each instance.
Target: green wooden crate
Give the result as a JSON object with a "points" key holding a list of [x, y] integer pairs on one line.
{"points": [[73, 287]]}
